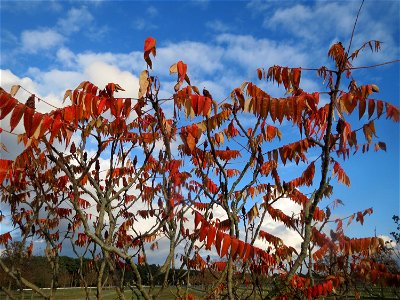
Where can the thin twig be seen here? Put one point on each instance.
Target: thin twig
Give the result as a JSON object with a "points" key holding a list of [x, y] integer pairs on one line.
{"points": [[40, 99], [374, 66], [354, 27]]}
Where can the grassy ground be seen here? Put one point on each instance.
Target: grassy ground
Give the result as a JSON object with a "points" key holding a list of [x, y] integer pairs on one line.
{"points": [[166, 294], [108, 294]]}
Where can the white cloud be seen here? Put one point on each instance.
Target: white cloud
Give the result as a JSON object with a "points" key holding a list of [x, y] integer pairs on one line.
{"points": [[75, 19], [31, 7], [8, 79], [314, 23], [202, 59], [152, 11], [252, 53], [66, 56], [289, 236], [141, 24], [218, 26], [101, 74], [257, 6], [322, 24], [42, 39]]}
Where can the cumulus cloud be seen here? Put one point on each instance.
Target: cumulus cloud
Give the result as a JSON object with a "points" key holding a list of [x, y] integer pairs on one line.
{"points": [[101, 74], [322, 24], [251, 53], [41, 39]]}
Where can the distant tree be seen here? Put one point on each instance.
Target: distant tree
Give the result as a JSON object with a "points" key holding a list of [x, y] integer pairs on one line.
{"points": [[396, 234]]}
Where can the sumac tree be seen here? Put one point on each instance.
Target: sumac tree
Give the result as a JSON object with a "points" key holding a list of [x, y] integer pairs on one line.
{"points": [[118, 177]]}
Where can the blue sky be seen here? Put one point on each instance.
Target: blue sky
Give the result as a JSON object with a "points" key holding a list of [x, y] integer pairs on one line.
{"points": [[49, 47]]}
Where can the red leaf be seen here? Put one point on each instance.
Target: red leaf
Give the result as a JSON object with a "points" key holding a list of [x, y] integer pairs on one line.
{"points": [[46, 123], [361, 108], [4, 98], [247, 252], [234, 247], [101, 105], [17, 115], [203, 231], [197, 218], [6, 108], [379, 108], [88, 105], [55, 127], [225, 247], [28, 117], [119, 103], [69, 113], [149, 47], [241, 248], [37, 119], [210, 237], [218, 241], [371, 108], [5, 165], [296, 77], [360, 217]]}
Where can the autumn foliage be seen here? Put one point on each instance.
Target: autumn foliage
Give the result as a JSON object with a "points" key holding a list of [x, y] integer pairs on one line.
{"points": [[118, 177]]}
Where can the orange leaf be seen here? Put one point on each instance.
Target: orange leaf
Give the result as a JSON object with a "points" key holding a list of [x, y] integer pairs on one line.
{"points": [[149, 44], [30, 249], [4, 238], [206, 106], [190, 141], [182, 68]]}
